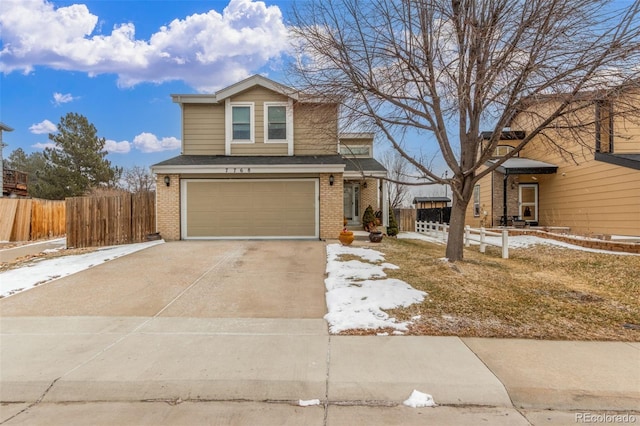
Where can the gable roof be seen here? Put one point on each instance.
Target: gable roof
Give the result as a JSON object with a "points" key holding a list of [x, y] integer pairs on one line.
{"points": [[234, 89]]}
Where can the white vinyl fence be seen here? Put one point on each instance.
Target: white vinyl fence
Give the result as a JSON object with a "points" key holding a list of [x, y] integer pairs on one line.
{"points": [[441, 230]]}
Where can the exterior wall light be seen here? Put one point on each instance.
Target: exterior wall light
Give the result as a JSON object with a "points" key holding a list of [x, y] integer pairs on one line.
{"points": [[331, 180], [167, 180]]}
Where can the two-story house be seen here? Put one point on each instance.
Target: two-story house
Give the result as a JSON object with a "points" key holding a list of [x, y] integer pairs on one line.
{"points": [[591, 185], [263, 160]]}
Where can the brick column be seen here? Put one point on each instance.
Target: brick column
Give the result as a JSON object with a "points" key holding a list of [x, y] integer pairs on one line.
{"points": [[168, 207], [331, 205]]}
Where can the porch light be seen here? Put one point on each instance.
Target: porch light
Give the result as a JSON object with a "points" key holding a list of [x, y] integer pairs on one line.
{"points": [[331, 180], [167, 180], [364, 185]]}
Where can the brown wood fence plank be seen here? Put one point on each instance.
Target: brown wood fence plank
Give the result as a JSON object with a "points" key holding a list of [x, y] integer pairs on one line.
{"points": [[406, 219], [109, 220], [22, 222], [8, 208]]}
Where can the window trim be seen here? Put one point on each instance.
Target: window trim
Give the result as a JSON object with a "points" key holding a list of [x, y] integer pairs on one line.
{"points": [[289, 124], [346, 151], [229, 124], [476, 201]]}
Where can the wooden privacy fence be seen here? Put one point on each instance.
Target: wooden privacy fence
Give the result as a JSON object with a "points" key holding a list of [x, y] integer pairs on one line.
{"points": [[110, 220], [406, 219], [26, 219]]}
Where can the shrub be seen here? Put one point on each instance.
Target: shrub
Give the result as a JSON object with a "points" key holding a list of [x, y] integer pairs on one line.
{"points": [[392, 229]]}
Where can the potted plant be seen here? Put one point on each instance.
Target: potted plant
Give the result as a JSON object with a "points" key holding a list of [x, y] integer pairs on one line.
{"points": [[346, 237], [375, 236]]}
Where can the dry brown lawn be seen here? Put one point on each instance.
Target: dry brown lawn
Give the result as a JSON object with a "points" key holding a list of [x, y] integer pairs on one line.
{"points": [[541, 292]]}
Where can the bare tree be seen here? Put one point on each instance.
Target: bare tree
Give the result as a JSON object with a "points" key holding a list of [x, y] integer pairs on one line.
{"points": [[138, 179], [449, 69], [398, 172]]}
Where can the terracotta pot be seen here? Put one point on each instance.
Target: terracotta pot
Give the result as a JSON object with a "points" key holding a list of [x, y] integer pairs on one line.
{"points": [[375, 237], [346, 237]]}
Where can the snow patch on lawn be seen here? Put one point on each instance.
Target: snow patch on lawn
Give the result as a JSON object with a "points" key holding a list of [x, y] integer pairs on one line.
{"points": [[358, 291], [46, 270]]}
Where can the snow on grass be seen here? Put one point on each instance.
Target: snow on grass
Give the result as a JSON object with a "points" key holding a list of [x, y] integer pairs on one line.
{"points": [[515, 241], [358, 291], [46, 270]]}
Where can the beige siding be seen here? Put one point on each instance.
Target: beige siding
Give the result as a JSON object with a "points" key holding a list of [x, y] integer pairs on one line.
{"points": [[486, 205], [258, 95], [259, 149], [591, 197], [315, 129], [203, 129]]}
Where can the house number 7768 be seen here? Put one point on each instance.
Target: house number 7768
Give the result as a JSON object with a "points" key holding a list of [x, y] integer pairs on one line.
{"points": [[237, 170]]}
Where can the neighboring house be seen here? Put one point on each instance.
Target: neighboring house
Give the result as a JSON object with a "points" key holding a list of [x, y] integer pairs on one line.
{"points": [[14, 183], [3, 128], [431, 202], [262, 160], [592, 187]]}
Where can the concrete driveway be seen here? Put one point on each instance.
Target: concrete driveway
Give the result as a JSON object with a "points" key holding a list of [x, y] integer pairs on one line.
{"points": [[195, 279]]}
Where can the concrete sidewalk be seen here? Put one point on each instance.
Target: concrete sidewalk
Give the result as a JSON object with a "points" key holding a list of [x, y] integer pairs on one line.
{"points": [[232, 333], [211, 365]]}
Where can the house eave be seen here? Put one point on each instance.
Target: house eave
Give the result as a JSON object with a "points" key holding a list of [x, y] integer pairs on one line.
{"points": [[243, 168]]}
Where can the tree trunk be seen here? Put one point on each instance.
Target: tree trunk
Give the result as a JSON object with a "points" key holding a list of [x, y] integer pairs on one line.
{"points": [[455, 243]]}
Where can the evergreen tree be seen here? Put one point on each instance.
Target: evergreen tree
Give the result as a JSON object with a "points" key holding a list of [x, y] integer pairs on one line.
{"points": [[77, 163], [392, 229]]}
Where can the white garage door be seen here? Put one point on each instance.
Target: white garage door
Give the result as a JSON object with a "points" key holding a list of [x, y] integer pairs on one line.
{"points": [[250, 208]]}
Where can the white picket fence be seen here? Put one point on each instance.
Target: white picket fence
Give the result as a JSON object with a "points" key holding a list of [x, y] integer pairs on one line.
{"points": [[433, 229], [441, 230], [482, 239]]}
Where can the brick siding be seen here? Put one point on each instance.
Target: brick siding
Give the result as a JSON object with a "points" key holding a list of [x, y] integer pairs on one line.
{"points": [[168, 207], [331, 206]]}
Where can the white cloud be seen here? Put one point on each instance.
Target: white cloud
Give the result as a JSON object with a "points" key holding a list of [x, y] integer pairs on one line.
{"points": [[207, 50], [59, 98], [43, 145], [114, 147], [44, 127], [148, 142]]}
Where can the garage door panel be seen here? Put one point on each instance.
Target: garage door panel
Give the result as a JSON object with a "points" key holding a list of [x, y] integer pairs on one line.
{"points": [[233, 208]]}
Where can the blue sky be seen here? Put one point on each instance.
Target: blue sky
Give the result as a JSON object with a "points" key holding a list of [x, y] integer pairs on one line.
{"points": [[117, 62]]}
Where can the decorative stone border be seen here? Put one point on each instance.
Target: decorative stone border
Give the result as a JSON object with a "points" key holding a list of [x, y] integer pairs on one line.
{"points": [[582, 241]]}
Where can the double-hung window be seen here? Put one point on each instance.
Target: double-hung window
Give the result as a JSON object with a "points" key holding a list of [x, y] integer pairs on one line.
{"points": [[241, 123], [277, 122]]}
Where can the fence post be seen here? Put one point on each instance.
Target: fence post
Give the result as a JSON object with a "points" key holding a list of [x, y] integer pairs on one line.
{"points": [[505, 244], [445, 231], [467, 231], [482, 243]]}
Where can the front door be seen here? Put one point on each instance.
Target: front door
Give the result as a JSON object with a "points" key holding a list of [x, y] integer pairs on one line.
{"points": [[351, 205], [528, 202]]}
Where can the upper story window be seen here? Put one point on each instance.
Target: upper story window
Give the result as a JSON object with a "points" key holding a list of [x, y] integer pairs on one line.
{"points": [[278, 122], [502, 150], [240, 122], [604, 126], [355, 150]]}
